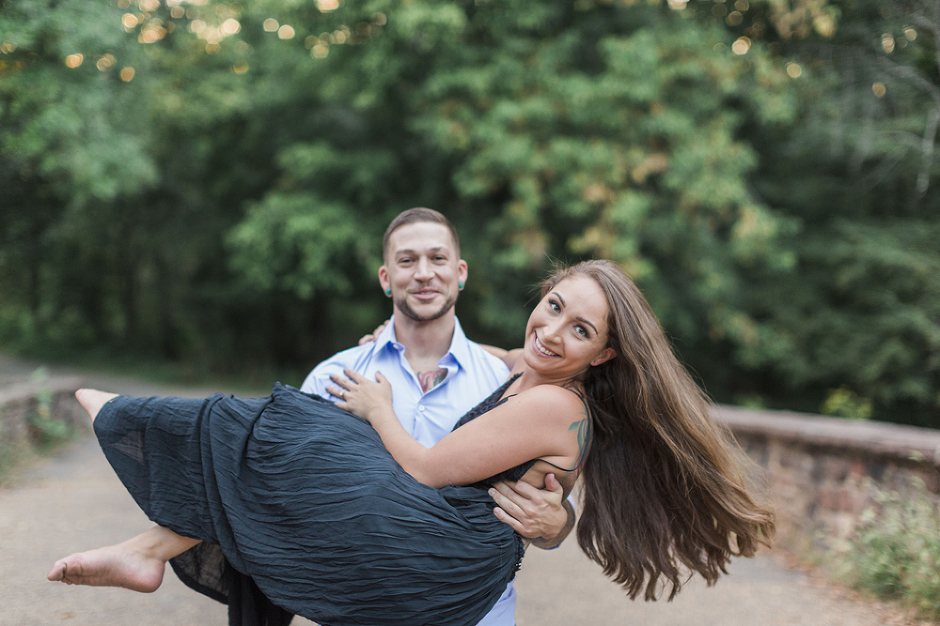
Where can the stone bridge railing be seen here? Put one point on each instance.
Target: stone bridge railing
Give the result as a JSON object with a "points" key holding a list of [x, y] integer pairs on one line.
{"points": [[823, 472]]}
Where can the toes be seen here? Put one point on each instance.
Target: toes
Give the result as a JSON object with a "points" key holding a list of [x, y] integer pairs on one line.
{"points": [[57, 572]]}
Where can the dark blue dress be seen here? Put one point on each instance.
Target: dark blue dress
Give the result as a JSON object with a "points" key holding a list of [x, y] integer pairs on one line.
{"points": [[298, 502]]}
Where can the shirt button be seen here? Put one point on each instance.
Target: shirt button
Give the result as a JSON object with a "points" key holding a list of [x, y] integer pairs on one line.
{"points": [[420, 407]]}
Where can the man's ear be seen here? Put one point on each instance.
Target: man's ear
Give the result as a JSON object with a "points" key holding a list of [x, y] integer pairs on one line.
{"points": [[604, 356], [462, 271], [383, 280]]}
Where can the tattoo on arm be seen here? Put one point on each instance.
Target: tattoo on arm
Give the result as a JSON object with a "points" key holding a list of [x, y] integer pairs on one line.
{"points": [[583, 426]]}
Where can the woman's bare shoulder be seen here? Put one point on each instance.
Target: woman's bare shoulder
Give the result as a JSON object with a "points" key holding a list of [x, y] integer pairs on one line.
{"points": [[552, 400]]}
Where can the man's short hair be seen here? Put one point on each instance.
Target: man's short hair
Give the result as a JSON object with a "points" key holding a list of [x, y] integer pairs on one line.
{"points": [[414, 216]]}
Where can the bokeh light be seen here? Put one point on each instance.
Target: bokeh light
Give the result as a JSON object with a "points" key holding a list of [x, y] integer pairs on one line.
{"points": [[879, 89], [152, 32], [824, 25], [327, 5], [74, 60], [887, 42], [231, 26], [741, 46], [270, 25], [127, 74], [285, 32], [794, 70], [105, 62]]}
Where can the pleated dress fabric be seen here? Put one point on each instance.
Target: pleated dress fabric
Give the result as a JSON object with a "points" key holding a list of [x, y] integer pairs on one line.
{"points": [[299, 503]]}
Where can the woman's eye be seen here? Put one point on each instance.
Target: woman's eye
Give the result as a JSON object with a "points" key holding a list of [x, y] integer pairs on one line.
{"points": [[553, 306], [582, 331]]}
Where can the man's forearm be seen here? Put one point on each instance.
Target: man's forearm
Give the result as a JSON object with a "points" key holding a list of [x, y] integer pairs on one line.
{"points": [[547, 543]]}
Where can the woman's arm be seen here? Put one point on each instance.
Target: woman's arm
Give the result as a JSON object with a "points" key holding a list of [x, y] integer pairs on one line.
{"points": [[537, 423]]}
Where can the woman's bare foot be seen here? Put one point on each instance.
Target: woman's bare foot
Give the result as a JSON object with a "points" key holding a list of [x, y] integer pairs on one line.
{"points": [[113, 566], [92, 400]]}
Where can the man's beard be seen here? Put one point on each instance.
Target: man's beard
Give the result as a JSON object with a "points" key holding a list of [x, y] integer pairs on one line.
{"points": [[402, 305]]}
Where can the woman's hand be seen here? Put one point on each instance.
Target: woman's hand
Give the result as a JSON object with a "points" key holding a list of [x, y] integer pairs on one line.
{"points": [[362, 397]]}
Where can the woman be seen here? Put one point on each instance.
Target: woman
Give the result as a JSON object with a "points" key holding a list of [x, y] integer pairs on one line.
{"points": [[596, 392]]}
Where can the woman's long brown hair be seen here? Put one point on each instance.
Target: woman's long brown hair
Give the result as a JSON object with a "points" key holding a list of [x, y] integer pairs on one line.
{"points": [[663, 494]]}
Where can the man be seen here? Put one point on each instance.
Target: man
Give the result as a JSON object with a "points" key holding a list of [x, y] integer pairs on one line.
{"points": [[437, 374]]}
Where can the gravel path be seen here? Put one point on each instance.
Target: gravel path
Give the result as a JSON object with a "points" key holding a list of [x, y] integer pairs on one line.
{"points": [[73, 502]]}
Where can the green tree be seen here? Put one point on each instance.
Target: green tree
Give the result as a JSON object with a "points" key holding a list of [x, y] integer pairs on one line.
{"points": [[857, 172], [210, 182]]}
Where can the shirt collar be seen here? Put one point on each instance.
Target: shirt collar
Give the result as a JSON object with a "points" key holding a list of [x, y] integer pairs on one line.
{"points": [[459, 346]]}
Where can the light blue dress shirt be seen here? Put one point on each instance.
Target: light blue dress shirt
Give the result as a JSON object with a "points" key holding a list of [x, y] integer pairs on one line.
{"points": [[472, 375]]}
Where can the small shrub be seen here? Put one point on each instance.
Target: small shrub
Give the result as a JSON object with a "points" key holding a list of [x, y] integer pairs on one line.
{"points": [[896, 550], [46, 430], [843, 402]]}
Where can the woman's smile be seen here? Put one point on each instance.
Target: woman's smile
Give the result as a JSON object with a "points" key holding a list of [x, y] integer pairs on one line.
{"points": [[540, 348]]}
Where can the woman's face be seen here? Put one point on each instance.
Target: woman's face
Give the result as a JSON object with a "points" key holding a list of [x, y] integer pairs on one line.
{"points": [[567, 331]]}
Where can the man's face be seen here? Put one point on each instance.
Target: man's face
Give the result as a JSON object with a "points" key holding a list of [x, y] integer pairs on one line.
{"points": [[423, 271]]}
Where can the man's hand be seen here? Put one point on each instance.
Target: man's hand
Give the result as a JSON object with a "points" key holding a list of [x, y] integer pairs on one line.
{"points": [[542, 515]]}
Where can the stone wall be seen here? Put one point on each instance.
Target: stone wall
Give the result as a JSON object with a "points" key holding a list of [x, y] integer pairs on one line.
{"points": [[22, 402], [823, 472]]}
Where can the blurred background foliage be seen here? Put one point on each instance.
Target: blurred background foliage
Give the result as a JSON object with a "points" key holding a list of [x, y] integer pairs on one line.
{"points": [[207, 182]]}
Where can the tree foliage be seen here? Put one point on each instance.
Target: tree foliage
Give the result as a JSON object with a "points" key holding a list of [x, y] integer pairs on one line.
{"points": [[209, 181]]}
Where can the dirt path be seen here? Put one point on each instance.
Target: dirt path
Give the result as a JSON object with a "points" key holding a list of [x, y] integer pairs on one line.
{"points": [[74, 502]]}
